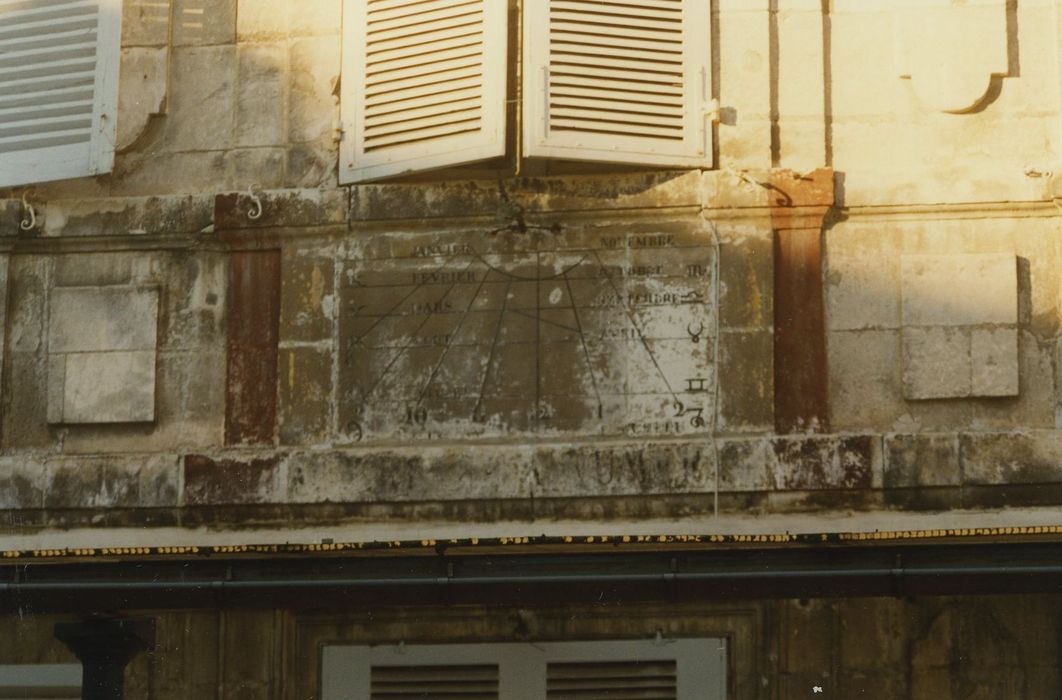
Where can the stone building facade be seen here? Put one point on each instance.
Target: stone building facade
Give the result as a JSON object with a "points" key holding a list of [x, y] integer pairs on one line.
{"points": [[808, 313]]}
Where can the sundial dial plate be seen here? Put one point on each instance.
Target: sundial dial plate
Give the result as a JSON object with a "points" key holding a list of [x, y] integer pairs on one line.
{"points": [[471, 336]]}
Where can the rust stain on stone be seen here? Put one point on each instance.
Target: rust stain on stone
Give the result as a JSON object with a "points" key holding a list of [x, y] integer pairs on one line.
{"points": [[799, 205], [254, 327], [210, 481], [226, 212]]}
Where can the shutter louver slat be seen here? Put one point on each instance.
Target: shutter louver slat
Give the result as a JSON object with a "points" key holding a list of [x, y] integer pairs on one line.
{"points": [[478, 682], [58, 79], [618, 680], [618, 81], [430, 85]]}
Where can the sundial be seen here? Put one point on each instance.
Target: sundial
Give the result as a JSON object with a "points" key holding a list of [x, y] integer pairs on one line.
{"points": [[473, 336]]}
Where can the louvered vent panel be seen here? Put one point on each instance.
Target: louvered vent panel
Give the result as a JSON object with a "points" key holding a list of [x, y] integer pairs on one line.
{"points": [[626, 680], [424, 70], [48, 54], [472, 682], [617, 67]]}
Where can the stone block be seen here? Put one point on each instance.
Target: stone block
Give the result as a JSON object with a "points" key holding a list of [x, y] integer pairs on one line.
{"points": [[307, 297], [313, 107], [25, 413], [1033, 405], [110, 482], [312, 164], [746, 280], [28, 278], [101, 319], [101, 387], [862, 292], [262, 20], [544, 194], [103, 216], [305, 397], [1012, 458], [936, 363], [865, 383], [193, 309], [101, 354], [959, 290], [204, 22], [401, 475], [743, 465], [21, 483], [825, 463], [10, 217], [145, 22], [259, 166], [93, 270], [746, 381], [209, 481], [316, 18], [921, 460], [203, 100], [158, 482], [623, 470], [260, 94], [994, 361], [145, 173], [141, 91], [284, 208]]}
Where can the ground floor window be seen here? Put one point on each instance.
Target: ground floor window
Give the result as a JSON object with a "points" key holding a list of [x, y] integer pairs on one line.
{"points": [[662, 669]]}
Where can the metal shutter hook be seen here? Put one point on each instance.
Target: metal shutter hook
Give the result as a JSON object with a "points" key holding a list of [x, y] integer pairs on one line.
{"points": [[256, 212], [30, 222]]}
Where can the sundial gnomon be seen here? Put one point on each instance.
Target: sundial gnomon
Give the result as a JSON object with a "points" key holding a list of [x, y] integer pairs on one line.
{"points": [[469, 335]]}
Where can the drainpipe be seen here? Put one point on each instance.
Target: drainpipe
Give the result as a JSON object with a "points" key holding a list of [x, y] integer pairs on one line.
{"points": [[104, 648]]}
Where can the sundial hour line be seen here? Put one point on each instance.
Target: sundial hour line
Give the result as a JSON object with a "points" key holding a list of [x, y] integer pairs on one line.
{"points": [[450, 344], [406, 347], [586, 350], [493, 350], [634, 323]]}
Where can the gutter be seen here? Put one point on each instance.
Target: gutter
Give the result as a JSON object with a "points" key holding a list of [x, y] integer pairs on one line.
{"points": [[441, 577]]}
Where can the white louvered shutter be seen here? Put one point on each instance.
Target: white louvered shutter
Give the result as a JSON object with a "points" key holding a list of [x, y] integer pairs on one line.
{"points": [[40, 681], [682, 669], [624, 81], [58, 88], [423, 85]]}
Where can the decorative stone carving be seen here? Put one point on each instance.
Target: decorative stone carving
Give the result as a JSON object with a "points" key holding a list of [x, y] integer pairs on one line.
{"points": [[951, 49]]}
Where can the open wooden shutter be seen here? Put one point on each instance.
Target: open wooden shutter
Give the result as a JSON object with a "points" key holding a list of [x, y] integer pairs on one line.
{"points": [[423, 85], [58, 88], [623, 81]]}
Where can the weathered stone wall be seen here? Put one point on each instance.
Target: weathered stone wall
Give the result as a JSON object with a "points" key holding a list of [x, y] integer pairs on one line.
{"points": [[878, 648], [675, 358]]}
